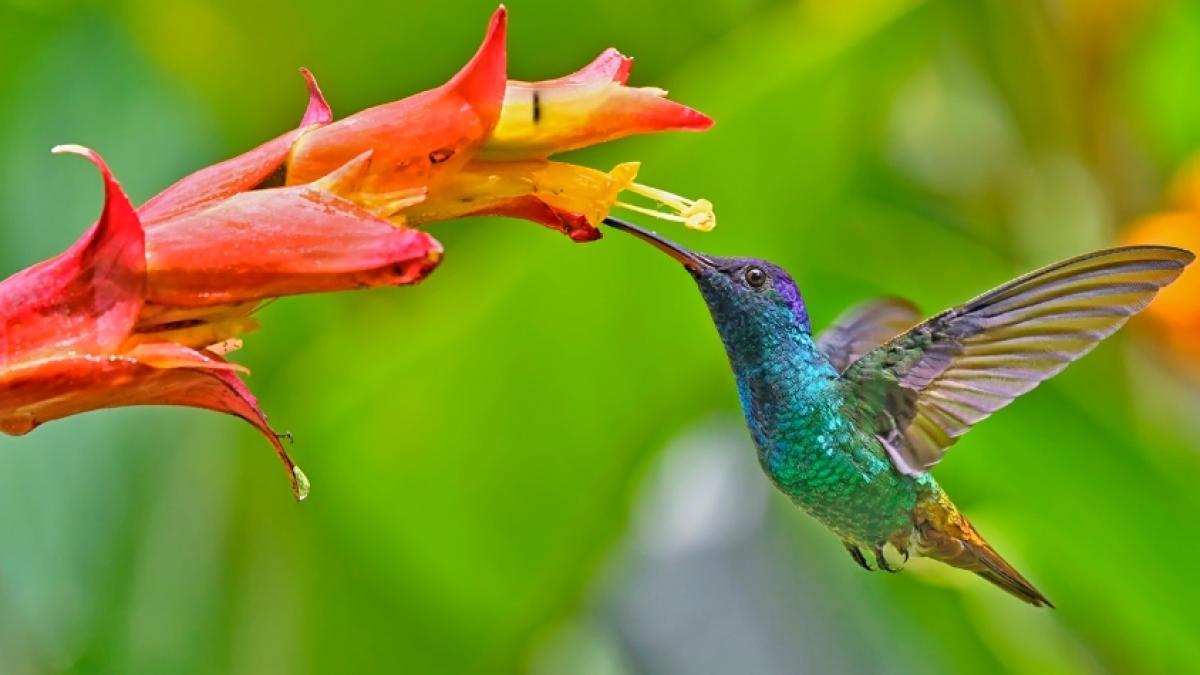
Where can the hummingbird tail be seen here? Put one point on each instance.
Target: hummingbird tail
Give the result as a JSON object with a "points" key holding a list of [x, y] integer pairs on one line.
{"points": [[944, 534]]}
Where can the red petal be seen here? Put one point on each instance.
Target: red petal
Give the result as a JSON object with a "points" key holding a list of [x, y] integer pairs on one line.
{"points": [[282, 241], [318, 111], [239, 174], [482, 80], [88, 297], [611, 66], [418, 136], [157, 374]]}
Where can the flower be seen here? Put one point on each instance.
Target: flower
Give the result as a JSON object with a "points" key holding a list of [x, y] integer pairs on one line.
{"points": [[325, 207], [1175, 305], [223, 239], [479, 145], [144, 308], [143, 315], [68, 343]]}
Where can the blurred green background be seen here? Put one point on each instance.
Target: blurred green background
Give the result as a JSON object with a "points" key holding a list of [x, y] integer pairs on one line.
{"points": [[534, 461]]}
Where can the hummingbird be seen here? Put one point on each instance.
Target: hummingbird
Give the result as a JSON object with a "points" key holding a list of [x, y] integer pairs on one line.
{"points": [[848, 423]]}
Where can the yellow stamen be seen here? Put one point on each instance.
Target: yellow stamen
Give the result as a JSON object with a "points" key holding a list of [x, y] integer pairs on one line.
{"points": [[695, 214]]}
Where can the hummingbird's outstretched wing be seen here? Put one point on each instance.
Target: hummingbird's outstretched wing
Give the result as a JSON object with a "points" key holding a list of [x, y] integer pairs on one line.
{"points": [[925, 388], [864, 327]]}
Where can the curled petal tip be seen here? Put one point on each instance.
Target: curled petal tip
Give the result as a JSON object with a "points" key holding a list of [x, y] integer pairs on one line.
{"points": [[119, 218], [483, 78], [86, 152], [318, 111], [611, 65], [63, 148]]}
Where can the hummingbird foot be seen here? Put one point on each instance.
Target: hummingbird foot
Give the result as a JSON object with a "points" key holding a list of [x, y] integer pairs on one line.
{"points": [[890, 558], [857, 554]]}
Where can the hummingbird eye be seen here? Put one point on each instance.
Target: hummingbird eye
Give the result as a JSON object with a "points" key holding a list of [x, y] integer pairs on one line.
{"points": [[755, 276]]}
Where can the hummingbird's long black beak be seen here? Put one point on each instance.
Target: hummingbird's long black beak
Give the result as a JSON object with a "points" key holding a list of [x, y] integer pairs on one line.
{"points": [[695, 262]]}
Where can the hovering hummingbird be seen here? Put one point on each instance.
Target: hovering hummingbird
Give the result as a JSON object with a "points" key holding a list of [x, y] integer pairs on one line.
{"points": [[849, 422]]}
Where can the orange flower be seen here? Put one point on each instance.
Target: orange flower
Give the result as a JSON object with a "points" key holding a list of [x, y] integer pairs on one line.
{"points": [[1175, 313]]}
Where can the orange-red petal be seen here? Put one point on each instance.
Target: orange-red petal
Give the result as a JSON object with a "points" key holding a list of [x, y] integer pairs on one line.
{"points": [[417, 137], [86, 298], [158, 374], [282, 241], [574, 225]]}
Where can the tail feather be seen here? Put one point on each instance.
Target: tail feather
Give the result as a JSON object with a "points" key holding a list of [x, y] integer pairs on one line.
{"points": [[946, 535], [996, 570]]}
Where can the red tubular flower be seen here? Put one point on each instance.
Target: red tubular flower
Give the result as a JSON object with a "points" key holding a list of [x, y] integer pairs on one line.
{"points": [[68, 344], [478, 145], [143, 308]]}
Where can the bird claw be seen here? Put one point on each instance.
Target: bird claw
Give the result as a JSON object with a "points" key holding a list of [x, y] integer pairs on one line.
{"points": [[857, 554], [881, 557], [881, 561], [888, 557]]}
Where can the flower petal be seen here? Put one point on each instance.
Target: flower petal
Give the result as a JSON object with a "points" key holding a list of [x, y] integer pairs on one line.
{"points": [[153, 374], [283, 241], [416, 137], [86, 298], [318, 110], [574, 225], [239, 174], [587, 107]]}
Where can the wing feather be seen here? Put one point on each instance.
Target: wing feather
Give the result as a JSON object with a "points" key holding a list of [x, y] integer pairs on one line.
{"points": [[923, 389], [864, 327]]}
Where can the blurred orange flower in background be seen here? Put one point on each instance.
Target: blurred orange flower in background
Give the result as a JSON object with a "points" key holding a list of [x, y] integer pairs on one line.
{"points": [[1175, 313]]}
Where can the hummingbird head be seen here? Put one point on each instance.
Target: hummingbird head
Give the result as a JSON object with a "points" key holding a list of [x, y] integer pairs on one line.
{"points": [[754, 303]]}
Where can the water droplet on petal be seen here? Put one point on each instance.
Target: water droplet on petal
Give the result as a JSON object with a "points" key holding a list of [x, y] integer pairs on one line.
{"points": [[302, 484]]}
